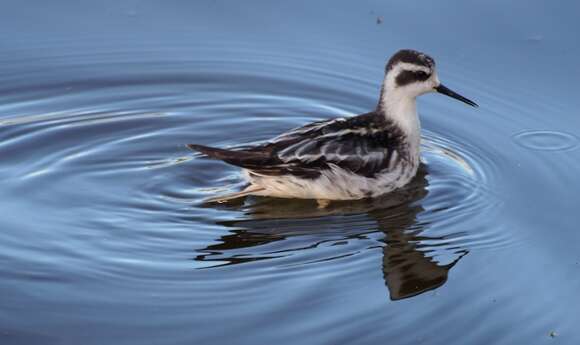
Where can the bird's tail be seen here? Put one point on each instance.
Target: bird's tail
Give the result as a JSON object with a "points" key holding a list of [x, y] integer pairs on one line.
{"points": [[238, 158]]}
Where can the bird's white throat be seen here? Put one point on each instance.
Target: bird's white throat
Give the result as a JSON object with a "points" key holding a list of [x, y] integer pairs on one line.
{"points": [[401, 108]]}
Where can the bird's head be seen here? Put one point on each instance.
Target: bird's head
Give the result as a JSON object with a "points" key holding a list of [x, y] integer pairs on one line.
{"points": [[410, 73]]}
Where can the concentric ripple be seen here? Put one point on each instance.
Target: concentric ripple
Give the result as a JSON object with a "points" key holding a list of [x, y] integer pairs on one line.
{"points": [[106, 203], [543, 140], [463, 186]]}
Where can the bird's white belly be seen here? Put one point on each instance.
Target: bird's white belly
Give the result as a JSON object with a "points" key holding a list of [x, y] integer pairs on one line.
{"points": [[333, 184]]}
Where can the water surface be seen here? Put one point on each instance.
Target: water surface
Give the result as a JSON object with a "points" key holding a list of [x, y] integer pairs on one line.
{"points": [[106, 239]]}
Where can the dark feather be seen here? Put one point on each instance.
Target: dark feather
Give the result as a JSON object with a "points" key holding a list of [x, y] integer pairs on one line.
{"points": [[362, 145], [239, 158]]}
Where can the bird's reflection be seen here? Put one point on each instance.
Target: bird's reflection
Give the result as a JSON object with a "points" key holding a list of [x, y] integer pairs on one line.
{"points": [[409, 267]]}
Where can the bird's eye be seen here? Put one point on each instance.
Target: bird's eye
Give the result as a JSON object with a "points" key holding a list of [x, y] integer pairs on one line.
{"points": [[422, 75]]}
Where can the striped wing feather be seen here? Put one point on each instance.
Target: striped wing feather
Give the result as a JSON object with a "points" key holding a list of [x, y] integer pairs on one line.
{"points": [[363, 145]]}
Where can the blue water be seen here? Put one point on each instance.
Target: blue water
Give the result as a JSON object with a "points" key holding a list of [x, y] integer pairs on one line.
{"points": [[104, 236]]}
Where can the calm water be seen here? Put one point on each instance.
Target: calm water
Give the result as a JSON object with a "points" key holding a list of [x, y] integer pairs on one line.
{"points": [[104, 236]]}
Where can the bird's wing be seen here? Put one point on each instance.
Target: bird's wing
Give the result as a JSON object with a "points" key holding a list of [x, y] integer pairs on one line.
{"points": [[360, 145]]}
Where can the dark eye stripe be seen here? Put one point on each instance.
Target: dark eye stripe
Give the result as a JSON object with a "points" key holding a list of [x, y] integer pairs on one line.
{"points": [[422, 75], [407, 77]]}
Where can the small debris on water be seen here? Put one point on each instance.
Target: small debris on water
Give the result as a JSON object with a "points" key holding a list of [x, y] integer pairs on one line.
{"points": [[553, 334], [380, 20]]}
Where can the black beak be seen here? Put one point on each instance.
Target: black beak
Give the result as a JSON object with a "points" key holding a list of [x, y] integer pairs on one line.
{"points": [[444, 90]]}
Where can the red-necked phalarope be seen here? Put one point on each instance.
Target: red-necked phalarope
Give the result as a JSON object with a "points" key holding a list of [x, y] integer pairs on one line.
{"points": [[345, 158]]}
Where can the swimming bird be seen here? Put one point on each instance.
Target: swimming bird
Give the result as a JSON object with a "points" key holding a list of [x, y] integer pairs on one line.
{"points": [[348, 158]]}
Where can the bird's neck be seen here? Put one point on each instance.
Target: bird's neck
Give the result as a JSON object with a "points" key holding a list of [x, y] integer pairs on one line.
{"points": [[401, 110]]}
